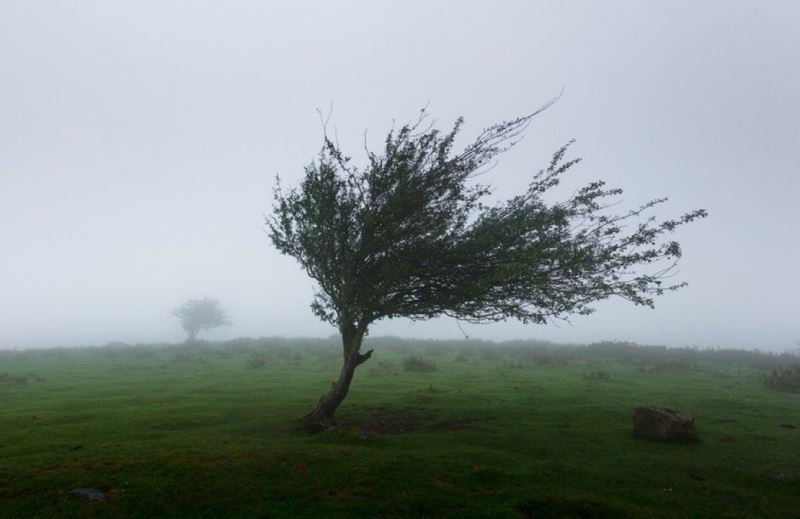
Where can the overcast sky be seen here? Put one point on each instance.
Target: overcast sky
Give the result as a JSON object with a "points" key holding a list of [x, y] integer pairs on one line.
{"points": [[139, 143]]}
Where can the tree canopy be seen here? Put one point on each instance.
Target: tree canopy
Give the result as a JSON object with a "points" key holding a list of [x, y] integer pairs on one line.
{"points": [[410, 235], [200, 314]]}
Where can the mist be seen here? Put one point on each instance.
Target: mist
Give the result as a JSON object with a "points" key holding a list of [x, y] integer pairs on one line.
{"points": [[139, 145]]}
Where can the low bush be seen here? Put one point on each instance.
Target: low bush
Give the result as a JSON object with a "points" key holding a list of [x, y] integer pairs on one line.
{"points": [[597, 375], [418, 364], [257, 360], [462, 356], [8, 378], [783, 379]]}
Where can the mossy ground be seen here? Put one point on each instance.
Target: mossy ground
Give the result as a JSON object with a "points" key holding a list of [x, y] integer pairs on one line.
{"points": [[183, 432]]}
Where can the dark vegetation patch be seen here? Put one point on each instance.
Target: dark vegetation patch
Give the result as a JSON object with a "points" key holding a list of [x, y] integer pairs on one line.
{"points": [[432, 389], [526, 352], [224, 354], [782, 474], [384, 368], [388, 420], [418, 364], [183, 357], [670, 365], [541, 357], [597, 375], [463, 356], [489, 480], [560, 508], [345, 494], [491, 353], [454, 425], [89, 494], [785, 378], [10, 378]]}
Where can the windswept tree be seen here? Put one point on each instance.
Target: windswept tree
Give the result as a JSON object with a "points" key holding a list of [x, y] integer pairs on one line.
{"points": [[409, 235], [200, 314]]}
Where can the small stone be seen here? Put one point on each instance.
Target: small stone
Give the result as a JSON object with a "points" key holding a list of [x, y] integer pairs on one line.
{"points": [[782, 474], [663, 424], [92, 494]]}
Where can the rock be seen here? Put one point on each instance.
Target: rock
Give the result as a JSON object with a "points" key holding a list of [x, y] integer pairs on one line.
{"points": [[663, 424], [696, 476], [92, 494], [782, 474]]}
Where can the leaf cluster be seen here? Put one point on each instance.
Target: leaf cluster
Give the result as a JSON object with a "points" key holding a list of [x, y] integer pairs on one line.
{"points": [[409, 234], [201, 314]]}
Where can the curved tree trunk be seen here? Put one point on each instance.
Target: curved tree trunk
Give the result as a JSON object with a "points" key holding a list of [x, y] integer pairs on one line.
{"points": [[322, 416]]}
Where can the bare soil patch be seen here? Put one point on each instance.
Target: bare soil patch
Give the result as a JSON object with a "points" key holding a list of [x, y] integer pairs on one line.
{"points": [[561, 508], [398, 420]]}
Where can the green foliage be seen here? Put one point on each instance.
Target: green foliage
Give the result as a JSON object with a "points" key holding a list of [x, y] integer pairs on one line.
{"points": [[418, 364], [785, 378], [200, 314], [408, 235]]}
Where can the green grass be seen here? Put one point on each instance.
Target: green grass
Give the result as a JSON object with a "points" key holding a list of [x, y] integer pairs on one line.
{"points": [[182, 433]]}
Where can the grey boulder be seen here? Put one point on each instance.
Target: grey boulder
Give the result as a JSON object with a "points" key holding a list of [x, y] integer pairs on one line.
{"points": [[663, 424]]}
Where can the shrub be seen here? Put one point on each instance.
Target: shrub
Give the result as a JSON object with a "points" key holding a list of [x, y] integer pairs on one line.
{"points": [[418, 364], [8, 378], [597, 375], [257, 360], [462, 356], [783, 379]]}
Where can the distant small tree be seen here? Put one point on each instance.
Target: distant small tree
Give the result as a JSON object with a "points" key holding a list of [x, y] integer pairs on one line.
{"points": [[200, 314], [409, 236]]}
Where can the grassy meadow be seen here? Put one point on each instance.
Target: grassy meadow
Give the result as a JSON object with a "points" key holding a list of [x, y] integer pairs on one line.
{"points": [[430, 429]]}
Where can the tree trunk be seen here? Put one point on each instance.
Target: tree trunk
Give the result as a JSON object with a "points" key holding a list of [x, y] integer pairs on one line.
{"points": [[322, 415]]}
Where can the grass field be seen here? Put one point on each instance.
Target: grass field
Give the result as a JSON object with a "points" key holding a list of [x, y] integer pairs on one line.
{"points": [[495, 431]]}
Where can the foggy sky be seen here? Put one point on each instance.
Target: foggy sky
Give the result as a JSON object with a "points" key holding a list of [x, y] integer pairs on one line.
{"points": [[139, 143]]}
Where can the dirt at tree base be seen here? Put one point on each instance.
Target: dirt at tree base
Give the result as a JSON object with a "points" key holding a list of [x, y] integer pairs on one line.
{"points": [[398, 420]]}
